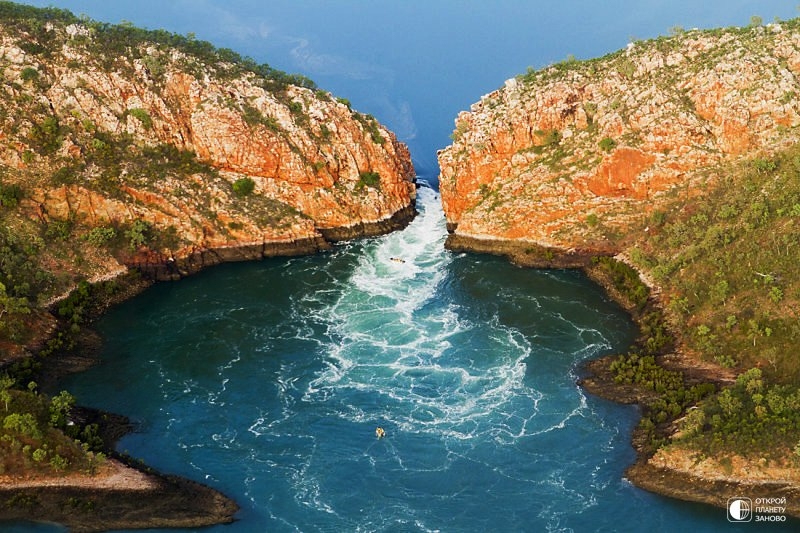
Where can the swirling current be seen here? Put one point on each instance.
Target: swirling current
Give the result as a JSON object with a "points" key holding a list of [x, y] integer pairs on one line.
{"points": [[267, 381]]}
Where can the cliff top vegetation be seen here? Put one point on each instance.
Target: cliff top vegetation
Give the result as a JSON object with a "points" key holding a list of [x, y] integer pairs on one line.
{"points": [[681, 153]]}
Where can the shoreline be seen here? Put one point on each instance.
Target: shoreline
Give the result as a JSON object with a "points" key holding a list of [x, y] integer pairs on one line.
{"points": [[129, 495], [122, 494], [596, 378]]}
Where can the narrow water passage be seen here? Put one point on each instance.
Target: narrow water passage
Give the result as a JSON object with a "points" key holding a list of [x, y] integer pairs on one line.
{"points": [[267, 381]]}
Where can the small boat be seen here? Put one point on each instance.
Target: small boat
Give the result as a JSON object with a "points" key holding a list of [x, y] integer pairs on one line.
{"points": [[398, 260], [379, 432]]}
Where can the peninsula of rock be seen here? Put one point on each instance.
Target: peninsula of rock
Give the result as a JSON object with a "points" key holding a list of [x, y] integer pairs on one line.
{"points": [[669, 170], [130, 156]]}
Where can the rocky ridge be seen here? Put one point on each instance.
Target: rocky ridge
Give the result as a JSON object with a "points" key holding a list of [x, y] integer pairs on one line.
{"points": [[646, 155], [128, 151], [575, 156], [107, 127]]}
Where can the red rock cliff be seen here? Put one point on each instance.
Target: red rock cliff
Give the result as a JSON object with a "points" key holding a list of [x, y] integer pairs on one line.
{"points": [[101, 136], [576, 155]]}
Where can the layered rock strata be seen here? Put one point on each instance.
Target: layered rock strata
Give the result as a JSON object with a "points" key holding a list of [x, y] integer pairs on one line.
{"points": [[577, 155], [216, 160], [590, 158]]}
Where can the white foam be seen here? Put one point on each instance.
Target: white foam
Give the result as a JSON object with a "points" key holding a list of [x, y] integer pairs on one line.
{"points": [[392, 340]]}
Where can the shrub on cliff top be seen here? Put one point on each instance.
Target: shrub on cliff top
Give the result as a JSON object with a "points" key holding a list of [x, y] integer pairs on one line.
{"points": [[10, 195], [243, 187], [139, 233], [729, 258], [143, 116], [607, 144]]}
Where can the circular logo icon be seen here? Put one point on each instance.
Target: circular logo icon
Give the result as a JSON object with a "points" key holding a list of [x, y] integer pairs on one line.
{"points": [[740, 510]]}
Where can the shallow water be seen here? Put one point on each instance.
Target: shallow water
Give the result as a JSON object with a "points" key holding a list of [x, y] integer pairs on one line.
{"points": [[267, 380]]}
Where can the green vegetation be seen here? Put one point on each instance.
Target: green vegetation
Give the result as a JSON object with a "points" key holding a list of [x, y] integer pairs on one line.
{"points": [[29, 74], [243, 187], [143, 116], [368, 179], [35, 437], [607, 144], [751, 415], [461, 128], [21, 280], [46, 136], [371, 126], [625, 280], [115, 45], [253, 117], [670, 398], [728, 265], [10, 195], [139, 234]]}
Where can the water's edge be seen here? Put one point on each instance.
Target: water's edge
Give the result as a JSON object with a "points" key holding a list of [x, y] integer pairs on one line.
{"points": [[177, 502], [596, 378]]}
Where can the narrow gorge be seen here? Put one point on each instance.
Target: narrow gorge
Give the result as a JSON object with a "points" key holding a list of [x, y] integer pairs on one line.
{"points": [[659, 183]]}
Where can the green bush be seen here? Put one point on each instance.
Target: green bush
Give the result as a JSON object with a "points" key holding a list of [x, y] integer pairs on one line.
{"points": [[45, 136], [139, 234], [625, 279], [607, 144], [371, 126], [244, 187], [101, 235], [29, 74], [143, 116], [369, 179], [549, 137], [10, 195]]}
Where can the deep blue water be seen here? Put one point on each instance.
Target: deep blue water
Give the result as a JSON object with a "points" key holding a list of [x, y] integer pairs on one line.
{"points": [[267, 381]]}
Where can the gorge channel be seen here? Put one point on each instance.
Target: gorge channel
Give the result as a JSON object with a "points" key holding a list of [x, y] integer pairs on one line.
{"points": [[266, 381]]}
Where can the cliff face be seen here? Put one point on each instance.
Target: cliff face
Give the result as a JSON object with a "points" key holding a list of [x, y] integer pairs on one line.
{"points": [[171, 157], [681, 156], [576, 156]]}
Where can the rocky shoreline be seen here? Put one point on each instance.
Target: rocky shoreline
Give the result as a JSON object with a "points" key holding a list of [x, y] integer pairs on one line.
{"points": [[160, 267], [655, 474], [122, 494], [122, 498], [126, 494]]}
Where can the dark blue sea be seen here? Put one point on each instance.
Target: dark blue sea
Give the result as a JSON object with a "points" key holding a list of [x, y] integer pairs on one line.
{"points": [[267, 381]]}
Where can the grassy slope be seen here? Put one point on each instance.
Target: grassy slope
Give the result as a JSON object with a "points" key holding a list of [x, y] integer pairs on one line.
{"points": [[727, 263]]}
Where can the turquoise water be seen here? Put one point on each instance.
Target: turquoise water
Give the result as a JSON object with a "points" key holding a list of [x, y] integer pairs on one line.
{"points": [[267, 380]]}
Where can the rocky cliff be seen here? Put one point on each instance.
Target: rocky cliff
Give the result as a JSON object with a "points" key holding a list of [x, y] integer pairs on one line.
{"points": [[577, 155], [125, 150], [680, 157], [162, 152]]}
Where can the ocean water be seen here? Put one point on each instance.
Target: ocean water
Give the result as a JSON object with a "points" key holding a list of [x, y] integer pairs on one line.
{"points": [[267, 381]]}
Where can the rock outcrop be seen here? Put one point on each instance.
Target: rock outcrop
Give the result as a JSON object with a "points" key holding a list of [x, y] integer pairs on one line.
{"points": [[164, 153], [679, 157], [577, 155], [130, 149]]}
